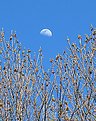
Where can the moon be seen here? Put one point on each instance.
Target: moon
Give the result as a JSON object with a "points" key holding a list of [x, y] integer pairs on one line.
{"points": [[46, 32]]}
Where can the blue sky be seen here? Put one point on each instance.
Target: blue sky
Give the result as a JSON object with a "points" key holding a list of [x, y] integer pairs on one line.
{"points": [[63, 17]]}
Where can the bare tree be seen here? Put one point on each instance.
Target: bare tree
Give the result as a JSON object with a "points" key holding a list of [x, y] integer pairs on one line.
{"points": [[64, 92]]}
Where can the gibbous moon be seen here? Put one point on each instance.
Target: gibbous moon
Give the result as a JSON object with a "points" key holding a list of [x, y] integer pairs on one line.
{"points": [[46, 32]]}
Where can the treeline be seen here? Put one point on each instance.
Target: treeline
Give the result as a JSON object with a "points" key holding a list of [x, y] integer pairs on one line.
{"points": [[65, 92]]}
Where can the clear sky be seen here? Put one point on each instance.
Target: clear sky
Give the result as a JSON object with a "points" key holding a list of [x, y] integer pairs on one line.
{"points": [[63, 17]]}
